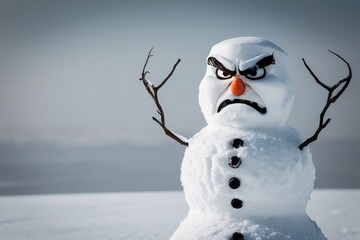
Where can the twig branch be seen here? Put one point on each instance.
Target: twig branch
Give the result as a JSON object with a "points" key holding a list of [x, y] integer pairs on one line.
{"points": [[330, 99], [153, 91]]}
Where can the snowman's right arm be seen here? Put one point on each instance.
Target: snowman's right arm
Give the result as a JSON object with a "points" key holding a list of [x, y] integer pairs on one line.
{"points": [[331, 98], [153, 91]]}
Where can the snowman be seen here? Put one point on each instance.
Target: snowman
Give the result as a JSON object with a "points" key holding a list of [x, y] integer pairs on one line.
{"points": [[243, 175]]}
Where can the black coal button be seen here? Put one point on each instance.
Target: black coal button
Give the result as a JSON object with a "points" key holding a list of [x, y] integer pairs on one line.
{"points": [[234, 183], [237, 142], [236, 203], [237, 236], [234, 162]]}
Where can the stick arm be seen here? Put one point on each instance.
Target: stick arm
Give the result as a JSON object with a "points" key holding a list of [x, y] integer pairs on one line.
{"points": [[342, 84], [153, 92]]}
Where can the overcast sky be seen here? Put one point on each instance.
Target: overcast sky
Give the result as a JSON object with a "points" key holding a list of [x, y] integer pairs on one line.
{"points": [[69, 69]]}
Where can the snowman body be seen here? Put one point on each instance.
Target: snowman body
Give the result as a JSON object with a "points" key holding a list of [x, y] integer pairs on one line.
{"points": [[258, 188], [243, 175], [266, 172]]}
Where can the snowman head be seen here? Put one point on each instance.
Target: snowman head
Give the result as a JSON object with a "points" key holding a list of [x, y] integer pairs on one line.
{"points": [[246, 84]]}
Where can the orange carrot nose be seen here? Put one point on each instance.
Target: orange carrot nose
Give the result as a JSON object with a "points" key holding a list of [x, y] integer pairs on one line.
{"points": [[237, 86]]}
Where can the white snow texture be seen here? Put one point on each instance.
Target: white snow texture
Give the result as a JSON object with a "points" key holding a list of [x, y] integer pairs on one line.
{"points": [[257, 188]]}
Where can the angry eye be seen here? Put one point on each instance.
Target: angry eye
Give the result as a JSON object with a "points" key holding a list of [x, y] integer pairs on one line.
{"points": [[255, 74], [222, 74], [258, 71]]}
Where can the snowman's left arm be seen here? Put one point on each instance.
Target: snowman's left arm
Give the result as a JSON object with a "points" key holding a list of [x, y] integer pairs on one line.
{"points": [[153, 91], [330, 99]]}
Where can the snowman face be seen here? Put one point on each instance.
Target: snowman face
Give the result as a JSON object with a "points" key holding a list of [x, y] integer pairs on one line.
{"points": [[246, 84]]}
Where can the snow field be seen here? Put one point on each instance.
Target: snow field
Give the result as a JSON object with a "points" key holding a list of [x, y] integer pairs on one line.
{"points": [[144, 215]]}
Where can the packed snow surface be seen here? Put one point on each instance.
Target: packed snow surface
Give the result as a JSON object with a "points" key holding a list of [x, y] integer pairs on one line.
{"points": [[144, 216]]}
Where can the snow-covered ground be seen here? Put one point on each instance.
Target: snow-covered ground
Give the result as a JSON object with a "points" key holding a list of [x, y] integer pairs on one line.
{"points": [[143, 215]]}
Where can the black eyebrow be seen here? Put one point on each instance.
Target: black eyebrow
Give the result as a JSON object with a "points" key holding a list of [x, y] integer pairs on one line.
{"points": [[266, 61], [215, 63]]}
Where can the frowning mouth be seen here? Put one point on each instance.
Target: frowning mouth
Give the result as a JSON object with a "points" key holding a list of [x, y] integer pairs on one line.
{"points": [[254, 105]]}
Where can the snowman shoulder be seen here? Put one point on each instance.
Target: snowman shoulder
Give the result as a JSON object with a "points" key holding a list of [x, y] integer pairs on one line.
{"points": [[293, 138], [292, 135], [205, 133]]}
